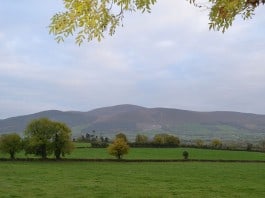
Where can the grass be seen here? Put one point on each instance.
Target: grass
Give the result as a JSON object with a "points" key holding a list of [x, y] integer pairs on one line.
{"points": [[169, 153], [160, 153], [82, 144], [82, 179]]}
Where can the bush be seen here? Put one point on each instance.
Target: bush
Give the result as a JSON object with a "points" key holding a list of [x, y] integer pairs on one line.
{"points": [[185, 154]]}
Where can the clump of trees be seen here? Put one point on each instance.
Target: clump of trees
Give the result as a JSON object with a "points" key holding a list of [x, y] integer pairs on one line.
{"points": [[97, 141], [166, 140], [159, 140], [141, 139], [43, 137]]}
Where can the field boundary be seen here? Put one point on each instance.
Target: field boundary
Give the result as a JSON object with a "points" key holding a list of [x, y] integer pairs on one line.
{"points": [[128, 160]]}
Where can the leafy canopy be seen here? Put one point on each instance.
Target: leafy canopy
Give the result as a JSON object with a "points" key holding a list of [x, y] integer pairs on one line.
{"points": [[44, 137], [92, 19], [121, 135], [166, 139], [118, 148], [141, 139], [222, 13], [11, 144]]}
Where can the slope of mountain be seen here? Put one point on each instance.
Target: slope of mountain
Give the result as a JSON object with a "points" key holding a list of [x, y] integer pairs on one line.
{"points": [[132, 119]]}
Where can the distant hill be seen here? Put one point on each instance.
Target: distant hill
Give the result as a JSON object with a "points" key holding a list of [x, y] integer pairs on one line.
{"points": [[132, 119]]}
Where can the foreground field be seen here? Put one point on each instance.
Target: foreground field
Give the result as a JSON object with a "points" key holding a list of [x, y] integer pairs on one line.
{"points": [[83, 179]]}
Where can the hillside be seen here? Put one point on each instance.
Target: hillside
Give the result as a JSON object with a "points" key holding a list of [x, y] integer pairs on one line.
{"points": [[133, 119]]}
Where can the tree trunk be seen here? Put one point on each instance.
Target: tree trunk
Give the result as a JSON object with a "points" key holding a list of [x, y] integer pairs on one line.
{"points": [[43, 151], [12, 155], [57, 153]]}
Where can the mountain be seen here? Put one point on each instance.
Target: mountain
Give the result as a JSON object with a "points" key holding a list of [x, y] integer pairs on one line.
{"points": [[132, 119]]}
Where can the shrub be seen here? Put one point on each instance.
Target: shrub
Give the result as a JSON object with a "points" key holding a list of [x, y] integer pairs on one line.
{"points": [[185, 154]]}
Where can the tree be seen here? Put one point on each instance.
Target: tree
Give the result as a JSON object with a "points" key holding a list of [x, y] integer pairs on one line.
{"points": [[11, 144], [61, 140], [39, 135], [118, 148], [158, 140], [121, 135], [172, 140], [44, 137], [90, 19], [141, 139]]}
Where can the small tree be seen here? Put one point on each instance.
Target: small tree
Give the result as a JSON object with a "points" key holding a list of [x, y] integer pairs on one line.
{"points": [[185, 154], [118, 148], [11, 144]]}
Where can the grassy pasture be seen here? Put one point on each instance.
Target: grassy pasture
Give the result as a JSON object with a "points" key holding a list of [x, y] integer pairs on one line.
{"points": [[160, 153], [84, 179], [82, 144], [169, 153]]}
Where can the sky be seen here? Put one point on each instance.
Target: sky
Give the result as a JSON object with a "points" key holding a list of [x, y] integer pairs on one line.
{"points": [[167, 58]]}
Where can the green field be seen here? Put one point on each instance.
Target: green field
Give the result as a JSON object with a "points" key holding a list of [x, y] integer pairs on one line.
{"points": [[169, 153], [160, 153], [93, 179], [82, 144]]}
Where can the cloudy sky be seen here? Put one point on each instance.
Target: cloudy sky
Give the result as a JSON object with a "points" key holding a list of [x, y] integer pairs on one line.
{"points": [[167, 58]]}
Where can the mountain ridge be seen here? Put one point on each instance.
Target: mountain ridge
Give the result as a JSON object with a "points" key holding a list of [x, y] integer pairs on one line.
{"points": [[133, 119]]}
